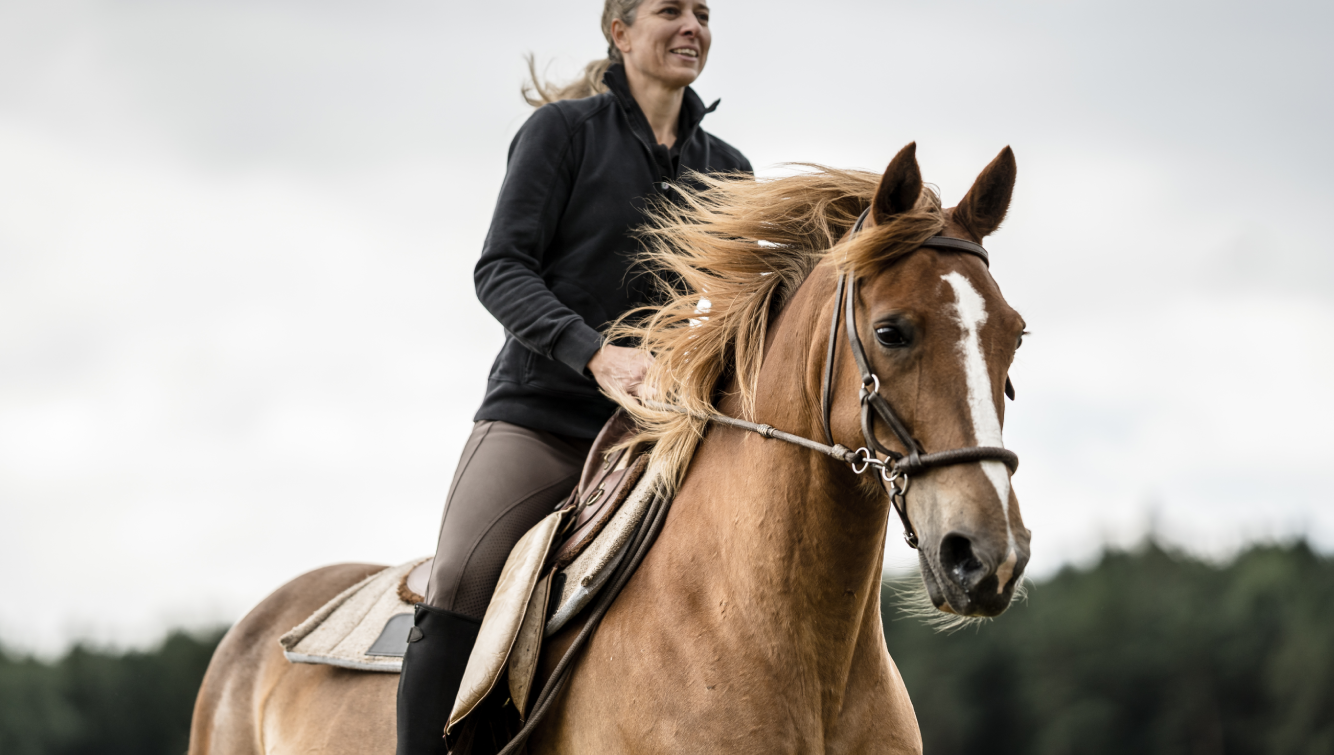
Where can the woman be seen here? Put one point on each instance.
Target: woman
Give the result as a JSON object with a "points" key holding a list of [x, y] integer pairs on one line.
{"points": [[557, 266]]}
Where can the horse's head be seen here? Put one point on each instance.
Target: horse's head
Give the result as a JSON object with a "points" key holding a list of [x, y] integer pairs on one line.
{"points": [[940, 337]]}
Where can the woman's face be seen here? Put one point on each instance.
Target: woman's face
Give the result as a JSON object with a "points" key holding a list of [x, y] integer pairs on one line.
{"points": [[669, 40]]}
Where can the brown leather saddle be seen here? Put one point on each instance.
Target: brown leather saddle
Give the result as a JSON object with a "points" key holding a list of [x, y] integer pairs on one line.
{"points": [[611, 471]]}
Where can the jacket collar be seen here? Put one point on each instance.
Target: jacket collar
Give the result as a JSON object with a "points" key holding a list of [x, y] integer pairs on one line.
{"points": [[692, 107]]}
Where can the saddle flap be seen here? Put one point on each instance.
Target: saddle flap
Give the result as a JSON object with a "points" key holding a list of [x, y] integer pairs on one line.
{"points": [[528, 646], [505, 615]]}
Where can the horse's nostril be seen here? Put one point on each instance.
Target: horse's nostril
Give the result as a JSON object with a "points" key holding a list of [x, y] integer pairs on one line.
{"points": [[959, 561]]}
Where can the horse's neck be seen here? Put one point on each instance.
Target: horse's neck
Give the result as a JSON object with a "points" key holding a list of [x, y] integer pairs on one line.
{"points": [[796, 536]]}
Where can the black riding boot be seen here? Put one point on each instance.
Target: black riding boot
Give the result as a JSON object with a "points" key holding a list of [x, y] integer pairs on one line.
{"points": [[438, 649]]}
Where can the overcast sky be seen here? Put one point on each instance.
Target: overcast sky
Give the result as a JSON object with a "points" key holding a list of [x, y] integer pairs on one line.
{"points": [[238, 334]]}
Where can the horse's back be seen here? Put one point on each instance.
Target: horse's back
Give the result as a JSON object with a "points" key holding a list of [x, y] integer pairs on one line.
{"points": [[254, 701]]}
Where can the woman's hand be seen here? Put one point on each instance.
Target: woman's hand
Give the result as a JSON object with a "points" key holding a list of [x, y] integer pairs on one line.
{"points": [[620, 369]]}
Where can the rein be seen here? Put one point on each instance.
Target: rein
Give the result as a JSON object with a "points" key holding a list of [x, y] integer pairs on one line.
{"points": [[896, 466]]}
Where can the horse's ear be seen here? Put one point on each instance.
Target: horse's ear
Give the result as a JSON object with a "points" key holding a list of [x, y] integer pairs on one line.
{"points": [[984, 206], [899, 188]]}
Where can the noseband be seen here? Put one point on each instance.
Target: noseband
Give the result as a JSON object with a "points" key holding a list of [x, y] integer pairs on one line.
{"points": [[894, 470], [896, 466]]}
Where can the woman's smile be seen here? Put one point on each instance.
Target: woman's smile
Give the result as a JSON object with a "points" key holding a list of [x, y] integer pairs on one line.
{"points": [[668, 41]]}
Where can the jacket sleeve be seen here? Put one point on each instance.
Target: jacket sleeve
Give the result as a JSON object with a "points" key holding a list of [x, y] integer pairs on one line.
{"points": [[537, 186]]}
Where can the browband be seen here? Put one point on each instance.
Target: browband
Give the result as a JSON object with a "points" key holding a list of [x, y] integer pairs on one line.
{"points": [[958, 245], [938, 242]]}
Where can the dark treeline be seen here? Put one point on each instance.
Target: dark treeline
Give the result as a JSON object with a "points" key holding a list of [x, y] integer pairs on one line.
{"points": [[1146, 652], [101, 703]]}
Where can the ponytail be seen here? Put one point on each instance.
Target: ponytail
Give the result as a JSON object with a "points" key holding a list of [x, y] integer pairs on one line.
{"points": [[537, 92]]}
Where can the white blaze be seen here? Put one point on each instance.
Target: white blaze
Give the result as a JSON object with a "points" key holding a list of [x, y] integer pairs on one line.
{"points": [[971, 311]]}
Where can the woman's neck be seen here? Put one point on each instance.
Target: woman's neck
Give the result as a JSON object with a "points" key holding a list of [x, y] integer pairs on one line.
{"points": [[660, 103]]}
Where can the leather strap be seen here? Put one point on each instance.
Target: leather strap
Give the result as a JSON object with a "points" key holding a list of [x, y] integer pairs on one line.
{"points": [[958, 245], [871, 398], [959, 456], [827, 388], [827, 385]]}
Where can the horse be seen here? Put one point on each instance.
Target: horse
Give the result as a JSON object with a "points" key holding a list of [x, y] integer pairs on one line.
{"points": [[753, 624]]}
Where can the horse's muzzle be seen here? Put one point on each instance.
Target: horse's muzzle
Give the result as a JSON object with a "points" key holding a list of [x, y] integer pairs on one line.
{"points": [[962, 577]]}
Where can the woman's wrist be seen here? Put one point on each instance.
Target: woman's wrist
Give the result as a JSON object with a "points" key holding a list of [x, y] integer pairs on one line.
{"points": [[576, 346]]}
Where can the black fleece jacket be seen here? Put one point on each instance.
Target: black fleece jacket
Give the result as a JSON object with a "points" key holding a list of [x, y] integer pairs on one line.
{"points": [[558, 263]]}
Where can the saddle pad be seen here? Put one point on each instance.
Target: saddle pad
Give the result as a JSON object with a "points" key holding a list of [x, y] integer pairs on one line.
{"points": [[364, 627]]}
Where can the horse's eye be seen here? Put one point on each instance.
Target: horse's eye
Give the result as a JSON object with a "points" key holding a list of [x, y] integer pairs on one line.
{"points": [[890, 336], [1020, 342]]}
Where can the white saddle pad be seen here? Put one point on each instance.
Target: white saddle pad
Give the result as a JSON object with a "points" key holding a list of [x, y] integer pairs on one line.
{"points": [[365, 627]]}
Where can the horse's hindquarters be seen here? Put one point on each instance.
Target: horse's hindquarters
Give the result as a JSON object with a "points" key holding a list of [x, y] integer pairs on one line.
{"points": [[254, 701]]}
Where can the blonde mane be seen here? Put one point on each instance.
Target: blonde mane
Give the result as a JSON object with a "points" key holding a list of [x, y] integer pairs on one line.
{"points": [[727, 258]]}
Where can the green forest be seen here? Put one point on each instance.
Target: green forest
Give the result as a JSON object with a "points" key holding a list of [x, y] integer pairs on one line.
{"points": [[102, 703], [1147, 651]]}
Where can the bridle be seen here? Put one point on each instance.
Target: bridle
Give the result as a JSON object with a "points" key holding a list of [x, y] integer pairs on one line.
{"points": [[894, 470], [896, 467]]}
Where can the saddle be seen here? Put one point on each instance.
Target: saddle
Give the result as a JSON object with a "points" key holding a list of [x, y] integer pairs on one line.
{"points": [[609, 475]]}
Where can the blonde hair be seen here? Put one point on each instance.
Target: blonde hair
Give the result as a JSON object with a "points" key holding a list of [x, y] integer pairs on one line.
{"points": [[727, 259], [537, 92]]}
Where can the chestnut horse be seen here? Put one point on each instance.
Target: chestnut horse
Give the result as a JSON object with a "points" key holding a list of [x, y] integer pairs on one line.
{"points": [[753, 624]]}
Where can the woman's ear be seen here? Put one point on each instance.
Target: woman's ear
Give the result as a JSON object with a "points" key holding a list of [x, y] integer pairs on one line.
{"points": [[620, 35]]}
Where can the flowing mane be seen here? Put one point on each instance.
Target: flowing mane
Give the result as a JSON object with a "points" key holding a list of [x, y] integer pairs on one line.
{"points": [[727, 258]]}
